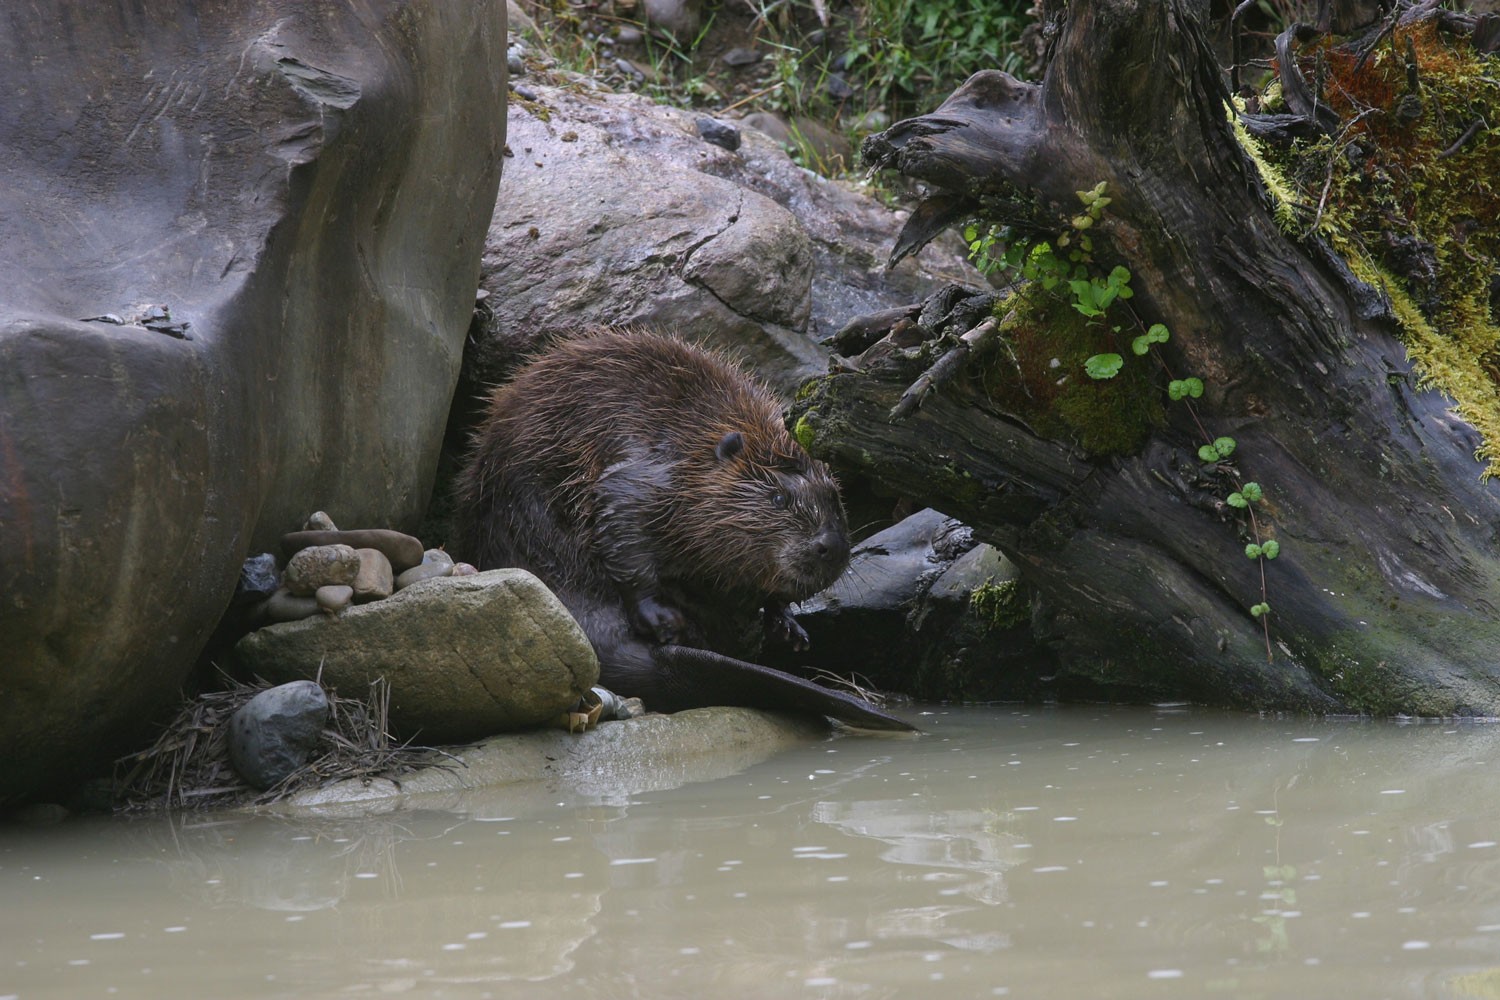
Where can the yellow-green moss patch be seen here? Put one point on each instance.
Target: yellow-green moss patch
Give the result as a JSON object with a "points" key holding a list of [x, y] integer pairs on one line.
{"points": [[1408, 191], [1000, 604]]}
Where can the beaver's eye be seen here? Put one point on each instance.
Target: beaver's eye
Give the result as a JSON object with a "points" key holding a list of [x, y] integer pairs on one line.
{"points": [[778, 500]]}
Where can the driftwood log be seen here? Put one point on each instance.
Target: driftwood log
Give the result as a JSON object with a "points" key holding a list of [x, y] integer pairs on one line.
{"points": [[1384, 596]]}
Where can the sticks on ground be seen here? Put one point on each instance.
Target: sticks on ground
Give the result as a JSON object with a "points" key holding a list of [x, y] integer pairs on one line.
{"points": [[188, 765]]}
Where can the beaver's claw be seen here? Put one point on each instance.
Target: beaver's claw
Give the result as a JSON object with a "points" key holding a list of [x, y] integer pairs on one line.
{"points": [[657, 621], [782, 626]]}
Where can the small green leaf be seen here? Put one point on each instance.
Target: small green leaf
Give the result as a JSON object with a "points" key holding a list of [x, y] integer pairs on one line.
{"points": [[971, 233], [1254, 551], [1102, 366], [1157, 333], [1092, 195], [1082, 221], [1224, 446], [1119, 275], [1237, 500], [1270, 548], [1252, 492], [1140, 346], [1194, 386], [1256, 610], [1208, 454]]}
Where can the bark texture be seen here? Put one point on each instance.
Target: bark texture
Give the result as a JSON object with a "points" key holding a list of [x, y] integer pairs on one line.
{"points": [[1385, 591]]}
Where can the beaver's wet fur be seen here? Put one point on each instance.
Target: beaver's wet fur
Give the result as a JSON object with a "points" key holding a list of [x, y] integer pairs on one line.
{"points": [[637, 467], [654, 487]]}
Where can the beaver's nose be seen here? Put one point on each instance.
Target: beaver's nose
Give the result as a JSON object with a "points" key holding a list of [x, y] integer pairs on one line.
{"points": [[831, 544]]}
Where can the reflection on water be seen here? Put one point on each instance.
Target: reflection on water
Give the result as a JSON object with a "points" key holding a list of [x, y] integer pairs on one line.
{"points": [[1025, 853]]}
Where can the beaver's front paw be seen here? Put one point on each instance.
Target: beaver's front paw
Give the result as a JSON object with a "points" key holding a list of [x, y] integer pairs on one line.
{"points": [[657, 621], [782, 626]]}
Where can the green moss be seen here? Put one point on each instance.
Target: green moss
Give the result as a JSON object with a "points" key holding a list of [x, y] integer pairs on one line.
{"points": [[1284, 199], [1460, 368], [1380, 667], [1041, 378], [1364, 686], [1410, 207], [802, 430], [1357, 668], [1000, 605]]}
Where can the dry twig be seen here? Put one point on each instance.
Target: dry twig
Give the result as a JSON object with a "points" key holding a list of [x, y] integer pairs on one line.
{"points": [[188, 765]]}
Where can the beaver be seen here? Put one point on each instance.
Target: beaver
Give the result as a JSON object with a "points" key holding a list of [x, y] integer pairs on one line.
{"points": [[654, 487]]}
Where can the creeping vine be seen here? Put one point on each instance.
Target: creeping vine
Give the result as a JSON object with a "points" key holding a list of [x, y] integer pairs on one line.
{"points": [[1063, 267]]}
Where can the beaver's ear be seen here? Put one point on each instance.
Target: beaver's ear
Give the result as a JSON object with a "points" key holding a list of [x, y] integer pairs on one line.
{"points": [[729, 445]]}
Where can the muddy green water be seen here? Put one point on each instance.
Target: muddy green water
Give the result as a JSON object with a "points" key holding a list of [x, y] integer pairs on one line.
{"points": [[1070, 853]]}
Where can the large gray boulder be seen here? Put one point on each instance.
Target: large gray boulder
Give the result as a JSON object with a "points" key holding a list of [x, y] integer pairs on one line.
{"points": [[617, 210], [465, 656], [306, 183]]}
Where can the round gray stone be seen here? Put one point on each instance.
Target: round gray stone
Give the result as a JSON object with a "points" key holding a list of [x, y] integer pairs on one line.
{"points": [[321, 566], [277, 732], [435, 563]]}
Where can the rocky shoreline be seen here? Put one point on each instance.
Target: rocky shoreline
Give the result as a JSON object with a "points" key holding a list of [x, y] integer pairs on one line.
{"points": [[614, 761], [495, 655]]}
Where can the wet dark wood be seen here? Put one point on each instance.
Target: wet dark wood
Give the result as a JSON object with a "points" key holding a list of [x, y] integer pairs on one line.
{"points": [[1386, 590]]}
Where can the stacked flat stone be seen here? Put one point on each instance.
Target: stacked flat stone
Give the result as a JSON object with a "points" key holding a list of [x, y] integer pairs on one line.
{"points": [[327, 570]]}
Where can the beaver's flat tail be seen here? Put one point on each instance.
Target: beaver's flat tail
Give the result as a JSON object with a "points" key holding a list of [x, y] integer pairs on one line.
{"points": [[694, 678]]}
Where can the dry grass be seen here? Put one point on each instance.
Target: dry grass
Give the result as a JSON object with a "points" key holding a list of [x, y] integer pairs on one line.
{"points": [[188, 765], [857, 685]]}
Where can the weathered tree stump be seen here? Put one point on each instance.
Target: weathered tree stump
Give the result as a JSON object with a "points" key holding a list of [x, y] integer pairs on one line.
{"points": [[1385, 590]]}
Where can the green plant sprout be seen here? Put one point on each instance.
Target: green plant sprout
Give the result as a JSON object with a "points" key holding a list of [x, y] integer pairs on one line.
{"points": [[1092, 295]]}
